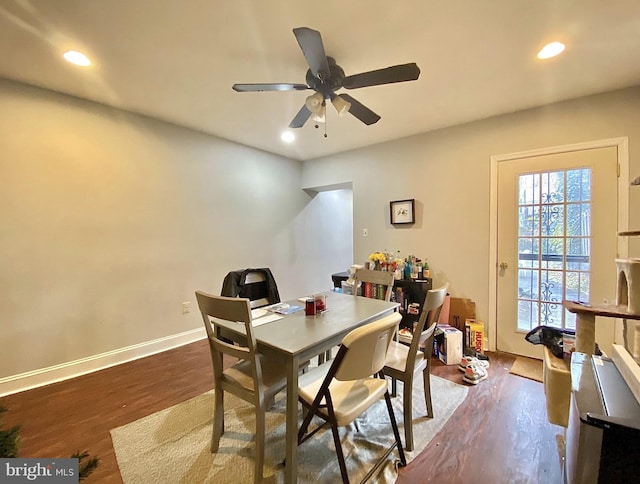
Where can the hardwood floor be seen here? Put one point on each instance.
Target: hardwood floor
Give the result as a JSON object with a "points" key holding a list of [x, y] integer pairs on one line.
{"points": [[499, 434]]}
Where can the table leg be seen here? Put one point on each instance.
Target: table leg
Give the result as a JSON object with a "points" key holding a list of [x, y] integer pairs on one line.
{"points": [[585, 333], [291, 455]]}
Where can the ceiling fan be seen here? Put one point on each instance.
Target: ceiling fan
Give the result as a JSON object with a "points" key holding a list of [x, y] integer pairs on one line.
{"points": [[326, 77]]}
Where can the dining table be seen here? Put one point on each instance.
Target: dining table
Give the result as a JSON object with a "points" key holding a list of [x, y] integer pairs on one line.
{"points": [[296, 338]]}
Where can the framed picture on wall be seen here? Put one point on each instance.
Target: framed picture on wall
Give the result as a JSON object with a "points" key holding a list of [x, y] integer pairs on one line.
{"points": [[402, 211]]}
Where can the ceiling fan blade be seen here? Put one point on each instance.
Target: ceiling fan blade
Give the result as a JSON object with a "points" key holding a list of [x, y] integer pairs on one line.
{"points": [[388, 75], [311, 44], [360, 111], [301, 118], [269, 87]]}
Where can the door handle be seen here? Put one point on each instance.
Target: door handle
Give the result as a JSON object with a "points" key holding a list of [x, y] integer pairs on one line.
{"points": [[503, 265]]}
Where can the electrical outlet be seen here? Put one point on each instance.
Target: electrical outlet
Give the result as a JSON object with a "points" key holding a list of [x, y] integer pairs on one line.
{"points": [[365, 232], [186, 307]]}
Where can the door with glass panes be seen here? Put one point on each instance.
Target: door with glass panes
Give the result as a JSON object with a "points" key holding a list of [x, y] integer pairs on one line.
{"points": [[557, 230]]}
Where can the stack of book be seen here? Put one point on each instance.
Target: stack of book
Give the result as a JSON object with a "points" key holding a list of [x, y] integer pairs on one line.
{"points": [[373, 291], [474, 335]]}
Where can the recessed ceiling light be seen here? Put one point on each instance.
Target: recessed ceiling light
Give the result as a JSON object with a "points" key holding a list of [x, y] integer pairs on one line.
{"points": [[551, 50], [287, 136], [77, 58]]}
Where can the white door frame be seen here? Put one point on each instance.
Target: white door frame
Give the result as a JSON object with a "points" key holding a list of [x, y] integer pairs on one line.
{"points": [[622, 145]]}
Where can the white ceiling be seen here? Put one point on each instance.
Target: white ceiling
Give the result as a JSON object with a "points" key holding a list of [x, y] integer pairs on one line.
{"points": [[176, 60]]}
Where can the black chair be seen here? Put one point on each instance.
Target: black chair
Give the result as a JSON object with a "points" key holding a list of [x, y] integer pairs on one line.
{"points": [[257, 285]]}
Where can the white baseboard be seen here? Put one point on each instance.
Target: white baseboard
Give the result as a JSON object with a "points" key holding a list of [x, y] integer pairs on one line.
{"points": [[45, 376]]}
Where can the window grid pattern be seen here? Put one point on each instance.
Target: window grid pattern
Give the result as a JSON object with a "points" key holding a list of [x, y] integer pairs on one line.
{"points": [[554, 246]]}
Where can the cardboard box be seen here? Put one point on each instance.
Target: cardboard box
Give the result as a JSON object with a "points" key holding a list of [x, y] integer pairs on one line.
{"points": [[474, 335], [447, 345], [460, 310], [444, 312]]}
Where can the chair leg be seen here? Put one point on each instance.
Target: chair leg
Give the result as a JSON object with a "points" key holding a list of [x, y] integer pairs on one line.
{"points": [[326, 356], [260, 431], [427, 391], [339, 453], [394, 387], [407, 404], [396, 432], [336, 436], [218, 420]]}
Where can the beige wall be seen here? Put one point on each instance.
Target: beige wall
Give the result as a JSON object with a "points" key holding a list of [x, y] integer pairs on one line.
{"points": [[448, 173], [109, 221]]}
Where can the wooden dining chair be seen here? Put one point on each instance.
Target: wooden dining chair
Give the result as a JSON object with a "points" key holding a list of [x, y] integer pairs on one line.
{"points": [[406, 361], [381, 279], [254, 379], [341, 390]]}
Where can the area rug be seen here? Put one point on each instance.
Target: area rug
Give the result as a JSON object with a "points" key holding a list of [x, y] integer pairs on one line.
{"points": [[172, 445], [527, 367]]}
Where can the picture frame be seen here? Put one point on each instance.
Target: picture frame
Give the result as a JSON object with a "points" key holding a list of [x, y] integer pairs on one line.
{"points": [[402, 211]]}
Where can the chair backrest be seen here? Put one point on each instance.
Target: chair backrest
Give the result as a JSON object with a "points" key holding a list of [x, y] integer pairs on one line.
{"points": [[366, 348], [257, 285], [236, 310], [428, 318], [380, 278], [256, 289]]}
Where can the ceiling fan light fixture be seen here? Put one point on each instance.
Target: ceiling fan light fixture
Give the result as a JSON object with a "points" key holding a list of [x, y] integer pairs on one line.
{"points": [[320, 116], [314, 102], [341, 105]]}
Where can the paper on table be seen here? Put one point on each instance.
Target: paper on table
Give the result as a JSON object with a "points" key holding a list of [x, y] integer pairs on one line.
{"points": [[258, 313], [266, 319], [284, 308]]}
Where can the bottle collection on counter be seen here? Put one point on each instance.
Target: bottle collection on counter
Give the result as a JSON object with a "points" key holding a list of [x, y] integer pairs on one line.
{"points": [[410, 267]]}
